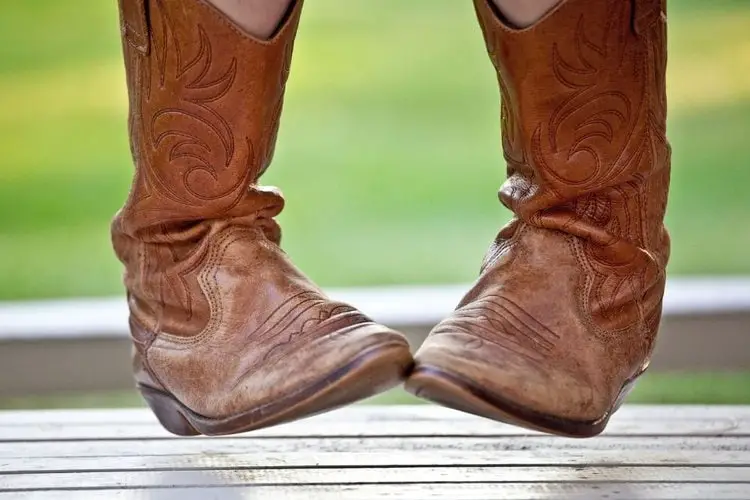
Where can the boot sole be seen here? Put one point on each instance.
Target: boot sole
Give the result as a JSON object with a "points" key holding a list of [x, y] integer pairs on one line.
{"points": [[374, 371], [453, 391]]}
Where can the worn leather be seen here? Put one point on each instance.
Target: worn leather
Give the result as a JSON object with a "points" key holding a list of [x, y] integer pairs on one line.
{"points": [[568, 302], [221, 319]]}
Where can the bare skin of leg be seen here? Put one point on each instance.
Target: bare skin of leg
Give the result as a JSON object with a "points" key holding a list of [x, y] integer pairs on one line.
{"points": [[260, 18], [524, 13]]}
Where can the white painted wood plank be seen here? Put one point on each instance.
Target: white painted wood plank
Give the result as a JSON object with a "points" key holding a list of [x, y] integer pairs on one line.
{"points": [[250, 458], [395, 305], [513, 491], [669, 446], [392, 414], [406, 475], [477, 427]]}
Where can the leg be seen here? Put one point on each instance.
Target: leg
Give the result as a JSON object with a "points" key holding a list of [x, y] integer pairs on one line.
{"points": [[564, 316], [260, 18], [524, 13], [229, 335]]}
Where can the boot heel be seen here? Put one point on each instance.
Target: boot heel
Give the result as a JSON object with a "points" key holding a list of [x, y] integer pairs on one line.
{"points": [[167, 412]]}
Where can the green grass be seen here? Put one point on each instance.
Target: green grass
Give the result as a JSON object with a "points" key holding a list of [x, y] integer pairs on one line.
{"points": [[653, 388]]}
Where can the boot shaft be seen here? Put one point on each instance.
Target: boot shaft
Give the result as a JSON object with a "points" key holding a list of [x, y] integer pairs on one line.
{"points": [[584, 118], [205, 100]]}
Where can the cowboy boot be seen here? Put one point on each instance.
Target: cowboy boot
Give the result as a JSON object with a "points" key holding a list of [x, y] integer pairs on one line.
{"points": [[228, 335], [563, 317]]}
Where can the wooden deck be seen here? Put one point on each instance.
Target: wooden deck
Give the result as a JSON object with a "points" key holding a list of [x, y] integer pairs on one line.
{"points": [[367, 452]]}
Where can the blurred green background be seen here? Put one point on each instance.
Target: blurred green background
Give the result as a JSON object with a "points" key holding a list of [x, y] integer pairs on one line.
{"points": [[388, 155]]}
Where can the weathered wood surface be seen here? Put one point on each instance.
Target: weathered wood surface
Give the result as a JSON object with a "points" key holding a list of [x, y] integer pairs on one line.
{"points": [[363, 452]]}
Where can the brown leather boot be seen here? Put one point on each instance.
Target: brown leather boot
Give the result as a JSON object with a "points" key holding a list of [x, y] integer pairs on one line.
{"points": [[563, 317], [229, 336]]}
